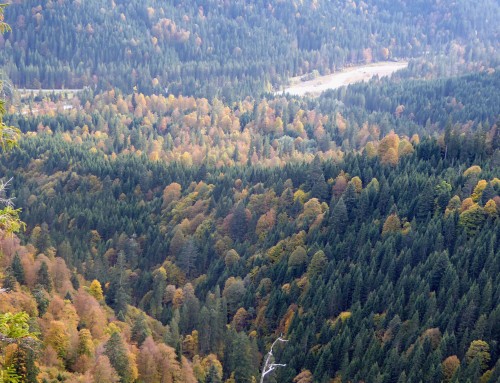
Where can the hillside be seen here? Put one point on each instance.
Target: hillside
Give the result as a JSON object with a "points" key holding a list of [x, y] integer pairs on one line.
{"points": [[169, 215], [377, 264], [230, 49]]}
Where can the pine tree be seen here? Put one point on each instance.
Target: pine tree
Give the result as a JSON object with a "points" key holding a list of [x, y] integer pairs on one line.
{"points": [[316, 180], [9, 281], [32, 369], [340, 218], [239, 223], [43, 277], [238, 357], [116, 351], [18, 269], [42, 300], [173, 337], [350, 198], [140, 330], [118, 293], [190, 310], [425, 202], [317, 264], [187, 257], [159, 285], [74, 280], [213, 376]]}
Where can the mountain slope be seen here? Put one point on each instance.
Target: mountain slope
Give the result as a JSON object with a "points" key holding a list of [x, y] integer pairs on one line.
{"points": [[228, 49]]}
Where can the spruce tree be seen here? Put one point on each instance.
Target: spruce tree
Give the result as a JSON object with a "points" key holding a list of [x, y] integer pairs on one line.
{"points": [[140, 330], [239, 223], [340, 218], [212, 376], [43, 277], [18, 269], [187, 257], [9, 281], [116, 351], [316, 180]]}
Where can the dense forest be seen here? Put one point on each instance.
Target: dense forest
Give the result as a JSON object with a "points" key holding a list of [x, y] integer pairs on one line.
{"points": [[170, 220], [230, 49], [373, 251]]}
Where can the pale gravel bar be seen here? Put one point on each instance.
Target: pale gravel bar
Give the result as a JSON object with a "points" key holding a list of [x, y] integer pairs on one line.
{"points": [[347, 76]]}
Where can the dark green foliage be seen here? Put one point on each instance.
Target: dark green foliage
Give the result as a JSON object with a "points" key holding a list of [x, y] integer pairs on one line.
{"points": [[118, 293], [188, 256], [172, 336], [18, 269], [116, 351], [488, 193], [32, 369], [43, 241], [43, 277], [212, 376], [417, 95], [395, 287], [425, 202], [9, 280], [353, 302], [316, 180], [339, 218], [74, 281], [239, 357], [42, 300], [239, 223], [190, 311], [206, 44], [140, 330]]}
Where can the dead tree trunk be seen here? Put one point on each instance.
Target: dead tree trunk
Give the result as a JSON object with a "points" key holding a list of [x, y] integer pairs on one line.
{"points": [[269, 366]]}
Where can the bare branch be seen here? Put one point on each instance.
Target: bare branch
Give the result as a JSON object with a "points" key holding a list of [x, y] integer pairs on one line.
{"points": [[268, 365], [3, 187], [26, 343]]}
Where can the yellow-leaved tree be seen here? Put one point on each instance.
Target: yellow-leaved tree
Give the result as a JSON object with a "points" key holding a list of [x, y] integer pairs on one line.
{"points": [[9, 216], [15, 333]]}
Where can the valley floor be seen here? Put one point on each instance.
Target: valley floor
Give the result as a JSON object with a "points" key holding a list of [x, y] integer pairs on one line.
{"points": [[346, 77]]}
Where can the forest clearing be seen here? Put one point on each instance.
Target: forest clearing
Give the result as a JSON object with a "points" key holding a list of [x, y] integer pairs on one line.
{"points": [[346, 77]]}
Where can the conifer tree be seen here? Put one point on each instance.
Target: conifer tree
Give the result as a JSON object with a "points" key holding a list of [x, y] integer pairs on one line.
{"points": [[9, 281], [43, 277], [316, 180], [340, 217], [239, 223], [18, 269], [116, 351], [140, 330], [118, 293], [187, 257]]}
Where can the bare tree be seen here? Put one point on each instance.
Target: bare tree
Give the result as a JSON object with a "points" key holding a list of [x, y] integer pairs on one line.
{"points": [[269, 364]]}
